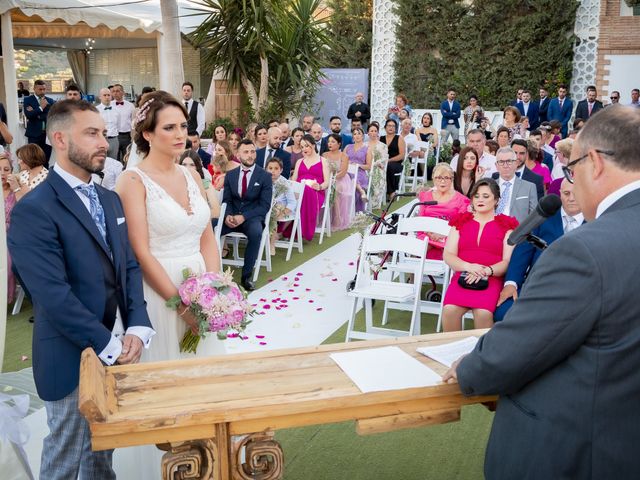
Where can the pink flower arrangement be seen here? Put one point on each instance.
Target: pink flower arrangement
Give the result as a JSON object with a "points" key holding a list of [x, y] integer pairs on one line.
{"points": [[217, 303]]}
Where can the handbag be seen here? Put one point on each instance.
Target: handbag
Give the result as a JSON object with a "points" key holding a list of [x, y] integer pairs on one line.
{"points": [[482, 284]]}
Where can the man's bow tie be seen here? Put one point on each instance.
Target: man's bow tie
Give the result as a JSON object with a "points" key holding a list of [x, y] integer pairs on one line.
{"points": [[119, 103], [107, 108]]}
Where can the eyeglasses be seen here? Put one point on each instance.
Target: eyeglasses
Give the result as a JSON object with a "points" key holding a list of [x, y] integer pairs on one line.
{"points": [[441, 179], [505, 162], [614, 98], [568, 172]]}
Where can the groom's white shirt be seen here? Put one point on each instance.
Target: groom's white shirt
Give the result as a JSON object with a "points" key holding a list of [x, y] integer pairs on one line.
{"points": [[114, 348]]}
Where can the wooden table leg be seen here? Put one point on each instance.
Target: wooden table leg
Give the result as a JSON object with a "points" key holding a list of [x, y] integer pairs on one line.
{"points": [[207, 459], [263, 458]]}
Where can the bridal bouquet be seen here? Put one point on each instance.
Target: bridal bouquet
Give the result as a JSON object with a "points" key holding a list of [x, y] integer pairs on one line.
{"points": [[217, 303]]}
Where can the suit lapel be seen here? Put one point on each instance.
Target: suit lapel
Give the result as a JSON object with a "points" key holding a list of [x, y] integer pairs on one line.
{"points": [[514, 193], [70, 200], [112, 227]]}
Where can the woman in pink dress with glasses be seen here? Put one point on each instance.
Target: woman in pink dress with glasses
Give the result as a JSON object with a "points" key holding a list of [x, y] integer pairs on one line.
{"points": [[315, 173]]}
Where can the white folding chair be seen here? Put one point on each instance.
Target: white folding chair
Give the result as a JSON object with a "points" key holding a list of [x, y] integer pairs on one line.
{"points": [[17, 304], [368, 286], [401, 264], [325, 223], [296, 231], [352, 171], [415, 161], [445, 285], [370, 186], [218, 230], [263, 250]]}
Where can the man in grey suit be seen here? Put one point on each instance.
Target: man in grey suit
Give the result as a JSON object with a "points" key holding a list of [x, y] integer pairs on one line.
{"points": [[565, 360], [518, 198]]}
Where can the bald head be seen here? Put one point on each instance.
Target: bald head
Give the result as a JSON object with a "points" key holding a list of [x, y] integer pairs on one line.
{"points": [[569, 203], [316, 132], [274, 137], [105, 96], [286, 131]]}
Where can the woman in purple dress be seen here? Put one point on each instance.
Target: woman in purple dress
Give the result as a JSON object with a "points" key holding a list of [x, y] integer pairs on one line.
{"points": [[314, 172], [294, 149], [357, 153]]}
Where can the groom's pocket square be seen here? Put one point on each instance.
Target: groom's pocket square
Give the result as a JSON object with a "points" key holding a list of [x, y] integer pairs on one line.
{"points": [[256, 184], [120, 220]]}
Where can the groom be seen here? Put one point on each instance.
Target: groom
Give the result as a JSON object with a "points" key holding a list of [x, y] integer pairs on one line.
{"points": [[247, 193], [68, 241]]}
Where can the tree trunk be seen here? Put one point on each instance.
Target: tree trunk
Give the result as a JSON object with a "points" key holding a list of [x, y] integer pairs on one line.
{"points": [[264, 82], [210, 102], [172, 48], [251, 93]]}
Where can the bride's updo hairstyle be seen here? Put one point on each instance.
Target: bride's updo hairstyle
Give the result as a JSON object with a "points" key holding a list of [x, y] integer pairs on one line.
{"points": [[146, 118]]}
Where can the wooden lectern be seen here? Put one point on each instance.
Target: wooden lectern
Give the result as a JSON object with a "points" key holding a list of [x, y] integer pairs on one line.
{"points": [[215, 417]]}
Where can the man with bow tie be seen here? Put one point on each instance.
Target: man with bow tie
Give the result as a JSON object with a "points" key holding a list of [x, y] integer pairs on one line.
{"points": [[125, 111], [111, 119], [247, 193]]}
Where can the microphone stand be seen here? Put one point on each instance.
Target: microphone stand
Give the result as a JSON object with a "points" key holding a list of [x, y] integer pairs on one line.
{"points": [[536, 241]]}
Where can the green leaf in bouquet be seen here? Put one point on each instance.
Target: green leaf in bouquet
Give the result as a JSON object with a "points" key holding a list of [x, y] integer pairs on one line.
{"points": [[186, 273], [222, 335], [173, 302]]}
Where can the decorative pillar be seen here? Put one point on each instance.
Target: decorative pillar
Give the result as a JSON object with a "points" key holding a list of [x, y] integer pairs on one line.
{"points": [[9, 63], [585, 48], [172, 48], [383, 53]]}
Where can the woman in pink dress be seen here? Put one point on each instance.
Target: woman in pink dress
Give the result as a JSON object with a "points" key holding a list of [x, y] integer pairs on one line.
{"points": [[478, 246], [314, 172], [9, 202], [450, 203], [534, 163], [342, 196]]}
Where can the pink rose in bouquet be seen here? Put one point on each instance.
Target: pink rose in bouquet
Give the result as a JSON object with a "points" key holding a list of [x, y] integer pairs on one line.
{"points": [[217, 303]]}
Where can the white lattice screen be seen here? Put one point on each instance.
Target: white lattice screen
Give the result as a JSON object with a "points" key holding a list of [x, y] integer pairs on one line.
{"points": [[585, 49], [382, 56]]}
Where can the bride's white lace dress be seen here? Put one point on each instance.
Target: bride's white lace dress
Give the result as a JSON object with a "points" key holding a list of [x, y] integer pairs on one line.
{"points": [[174, 240]]}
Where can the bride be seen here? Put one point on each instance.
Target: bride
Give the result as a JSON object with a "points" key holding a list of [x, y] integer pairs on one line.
{"points": [[169, 229], [168, 219]]}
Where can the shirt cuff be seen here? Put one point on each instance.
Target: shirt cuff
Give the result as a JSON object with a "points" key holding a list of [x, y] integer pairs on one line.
{"points": [[143, 333], [112, 351], [511, 282]]}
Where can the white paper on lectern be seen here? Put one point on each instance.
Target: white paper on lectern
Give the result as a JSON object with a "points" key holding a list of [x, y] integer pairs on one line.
{"points": [[386, 368], [449, 352]]}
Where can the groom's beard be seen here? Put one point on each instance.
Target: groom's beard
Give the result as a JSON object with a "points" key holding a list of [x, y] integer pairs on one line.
{"points": [[90, 162]]}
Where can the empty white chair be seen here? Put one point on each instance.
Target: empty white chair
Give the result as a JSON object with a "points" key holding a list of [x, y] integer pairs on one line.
{"points": [[17, 304], [401, 264], [369, 286], [415, 162], [218, 229], [325, 222], [296, 231]]}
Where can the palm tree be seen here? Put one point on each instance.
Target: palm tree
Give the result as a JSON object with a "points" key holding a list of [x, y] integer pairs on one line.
{"points": [[270, 48]]}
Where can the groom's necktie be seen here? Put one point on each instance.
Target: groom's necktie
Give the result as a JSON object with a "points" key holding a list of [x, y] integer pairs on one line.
{"points": [[96, 210], [245, 172]]}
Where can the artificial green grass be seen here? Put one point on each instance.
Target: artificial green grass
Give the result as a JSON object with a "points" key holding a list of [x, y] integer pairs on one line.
{"points": [[334, 451]]}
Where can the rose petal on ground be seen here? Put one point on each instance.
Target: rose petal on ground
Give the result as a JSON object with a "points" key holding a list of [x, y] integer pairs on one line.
{"points": [[319, 309], [275, 300], [285, 278], [310, 301], [291, 290], [334, 279], [307, 289], [269, 279], [24, 358], [296, 279], [263, 343], [259, 336], [295, 298], [263, 299], [351, 264], [266, 307], [299, 274], [244, 337], [284, 300]]}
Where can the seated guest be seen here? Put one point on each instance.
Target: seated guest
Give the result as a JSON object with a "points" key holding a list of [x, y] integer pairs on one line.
{"points": [[534, 163], [525, 255], [468, 169], [247, 193], [9, 194], [315, 173], [486, 128], [450, 203], [563, 153], [512, 123], [518, 197], [357, 153], [427, 132], [477, 245], [219, 134], [556, 128], [283, 205], [547, 158], [477, 141], [274, 149], [191, 160], [521, 146], [261, 134], [218, 169], [491, 147], [31, 160], [294, 148], [234, 140], [402, 103], [343, 183], [502, 137], [396, 150], [195, 146], [224, 148], [109, 174], [335, 126]]}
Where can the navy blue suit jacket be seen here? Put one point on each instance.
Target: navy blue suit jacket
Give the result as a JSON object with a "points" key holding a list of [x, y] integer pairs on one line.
{"points": [[525, 255], [532, 114], [346, 140], [450, 114], [36, 118], [543, 109], [563, 115], [58, 252], [257, 201], [281, 154], [582, 110]]}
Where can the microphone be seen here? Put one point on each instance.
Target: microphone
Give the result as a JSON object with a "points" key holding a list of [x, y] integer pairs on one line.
{"points": [[547, 207]]}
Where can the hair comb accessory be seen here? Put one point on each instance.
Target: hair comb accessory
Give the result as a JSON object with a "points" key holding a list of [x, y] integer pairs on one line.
{"points": [[142, 113]]}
